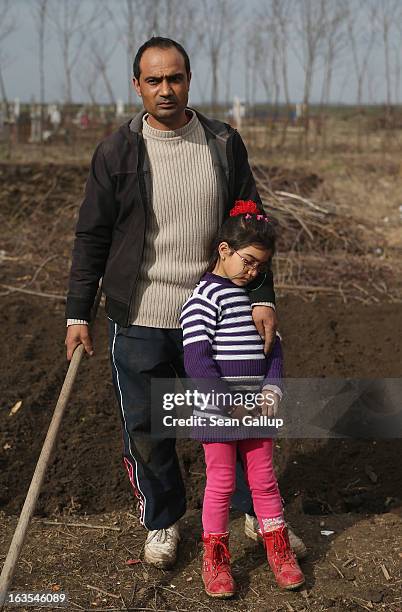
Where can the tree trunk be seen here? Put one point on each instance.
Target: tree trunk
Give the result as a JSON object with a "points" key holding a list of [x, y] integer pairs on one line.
{"points": [[41, 31], [4, 93], [214, 87], [287, 98], [130, 45], [108, 86], [306, 108], [387, 70]]}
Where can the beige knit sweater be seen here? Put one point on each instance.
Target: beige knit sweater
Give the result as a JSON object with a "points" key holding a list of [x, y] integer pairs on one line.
{"points": [[182, 219]]}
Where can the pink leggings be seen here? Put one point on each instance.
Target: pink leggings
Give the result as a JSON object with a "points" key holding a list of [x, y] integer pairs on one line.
{"points": [[220, 458]]}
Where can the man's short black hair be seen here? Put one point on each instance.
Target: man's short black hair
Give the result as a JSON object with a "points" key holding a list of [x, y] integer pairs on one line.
{"points": [[161, 43]]}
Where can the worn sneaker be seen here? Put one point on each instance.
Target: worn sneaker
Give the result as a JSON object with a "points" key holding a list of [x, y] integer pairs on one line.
{"points": [[161, 546], [252, 530]]}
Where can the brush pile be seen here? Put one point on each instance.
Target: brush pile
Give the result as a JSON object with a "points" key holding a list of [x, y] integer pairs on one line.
{"points": [[321, 247]]}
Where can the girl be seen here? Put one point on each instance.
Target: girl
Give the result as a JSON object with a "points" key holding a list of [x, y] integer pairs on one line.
{"points": [[222, 344]]}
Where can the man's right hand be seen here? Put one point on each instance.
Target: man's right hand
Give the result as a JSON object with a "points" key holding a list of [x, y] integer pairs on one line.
{"points": [[76, 335]]}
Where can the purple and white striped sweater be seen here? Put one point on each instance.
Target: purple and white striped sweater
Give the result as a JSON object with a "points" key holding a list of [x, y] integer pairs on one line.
{"points": [[221, 342]]}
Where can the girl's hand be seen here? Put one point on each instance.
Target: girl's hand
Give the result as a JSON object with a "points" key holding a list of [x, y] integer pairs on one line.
{"points": [[270, 405], [240, 411]]}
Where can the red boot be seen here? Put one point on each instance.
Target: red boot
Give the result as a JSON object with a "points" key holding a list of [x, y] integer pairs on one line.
{"points": [[216, 573], [282, 559]]}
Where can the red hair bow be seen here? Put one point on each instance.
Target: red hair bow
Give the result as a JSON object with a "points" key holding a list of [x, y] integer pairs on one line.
{"points": [[241, 207]]}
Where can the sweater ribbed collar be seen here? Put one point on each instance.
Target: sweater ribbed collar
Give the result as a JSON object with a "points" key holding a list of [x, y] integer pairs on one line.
{"points": [[221, 280], [180, 133]]}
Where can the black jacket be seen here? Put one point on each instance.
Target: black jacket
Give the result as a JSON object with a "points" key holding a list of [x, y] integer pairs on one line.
{"points": [[112, 219]]}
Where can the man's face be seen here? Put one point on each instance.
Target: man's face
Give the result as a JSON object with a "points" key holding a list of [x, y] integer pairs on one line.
{"points": [[163, 84]]}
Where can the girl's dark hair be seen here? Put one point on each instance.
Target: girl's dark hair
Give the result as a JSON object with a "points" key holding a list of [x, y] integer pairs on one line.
{"points": [[240, 232]]}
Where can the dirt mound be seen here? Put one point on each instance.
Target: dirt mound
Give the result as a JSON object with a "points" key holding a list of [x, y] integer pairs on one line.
{"points": [[38, 211], [24, 188], [294, 180]]}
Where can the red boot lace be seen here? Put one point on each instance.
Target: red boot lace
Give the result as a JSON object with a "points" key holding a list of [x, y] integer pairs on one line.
{"points": [[220, 554], [282, 548]]}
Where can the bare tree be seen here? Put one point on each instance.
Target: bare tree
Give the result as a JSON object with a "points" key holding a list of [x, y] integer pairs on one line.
{"points": [[271, 32], [258, 57], [372, 85], [230, 50], [88, 79], [389, 13], [129, 12], [102, 51], [71, 28], [7, 27], [361, 36], [247, 49], [334, 46], [259, 52], [178, 22], [275, 69], [217, 16], [271, 27], [311, 25], [398, 68], [335, 43], [152, 16], [128, 22], [39, 13], [281, 14], [171, 18]]}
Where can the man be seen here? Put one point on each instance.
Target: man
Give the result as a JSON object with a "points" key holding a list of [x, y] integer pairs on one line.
{"points": [[158, 189]]}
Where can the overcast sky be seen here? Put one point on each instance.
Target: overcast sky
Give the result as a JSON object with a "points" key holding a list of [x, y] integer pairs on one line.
{"points": [[19, 63]]}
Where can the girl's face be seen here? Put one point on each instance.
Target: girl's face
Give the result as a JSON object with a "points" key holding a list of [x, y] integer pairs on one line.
{"points": [[243, 265]]}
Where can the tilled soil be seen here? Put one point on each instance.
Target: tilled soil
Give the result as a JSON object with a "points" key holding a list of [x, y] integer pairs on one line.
{"points": [[101, 569], [327, 484], [320, 338]]}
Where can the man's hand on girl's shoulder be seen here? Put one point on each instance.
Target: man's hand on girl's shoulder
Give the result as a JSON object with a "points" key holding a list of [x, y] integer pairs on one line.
{"points": [[265, 321]]}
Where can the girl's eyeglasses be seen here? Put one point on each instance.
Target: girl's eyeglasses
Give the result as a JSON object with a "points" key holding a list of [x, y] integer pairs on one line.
{"points": [[261, 268]]}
